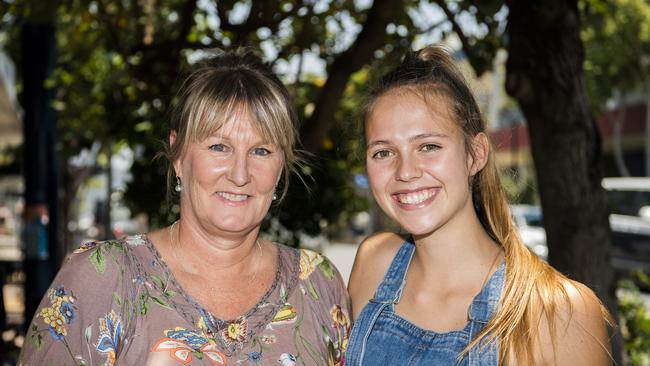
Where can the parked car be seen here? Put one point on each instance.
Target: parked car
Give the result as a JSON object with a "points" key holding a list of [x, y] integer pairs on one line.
{"points": [[530, 225], [629, 202]]}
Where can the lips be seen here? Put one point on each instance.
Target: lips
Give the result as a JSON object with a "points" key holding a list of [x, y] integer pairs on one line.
{"points": [[415, 197], [233, 197]]}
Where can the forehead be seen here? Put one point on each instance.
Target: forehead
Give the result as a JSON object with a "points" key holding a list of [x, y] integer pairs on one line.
{"points": [[239, 124], [406, 113], [236, 123]]}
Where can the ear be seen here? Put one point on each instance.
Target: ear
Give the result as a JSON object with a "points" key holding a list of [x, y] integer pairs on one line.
{"points": [[176, 164], [172, 137], [481, 150]]}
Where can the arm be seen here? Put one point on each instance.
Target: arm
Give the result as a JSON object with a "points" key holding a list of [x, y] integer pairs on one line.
{"points": [[75, 321], [370, 264], [580, 331]]}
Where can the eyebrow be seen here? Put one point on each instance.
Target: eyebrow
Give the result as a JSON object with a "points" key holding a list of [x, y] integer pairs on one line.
{"points": [[411, 139]]}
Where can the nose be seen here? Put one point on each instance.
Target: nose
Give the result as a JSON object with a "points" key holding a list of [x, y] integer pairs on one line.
{"points": [[238, 173], [407, 169]]}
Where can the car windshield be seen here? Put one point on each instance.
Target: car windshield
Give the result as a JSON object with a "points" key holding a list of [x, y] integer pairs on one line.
{"points": [[628, 202]]}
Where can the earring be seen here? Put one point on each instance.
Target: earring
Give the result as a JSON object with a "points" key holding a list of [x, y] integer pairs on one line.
{"points": [[275, 196], [178, 188]]}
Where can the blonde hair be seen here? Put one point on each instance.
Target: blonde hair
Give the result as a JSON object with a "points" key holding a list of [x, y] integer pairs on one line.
{"points": [[219, 88], [531, 287]]}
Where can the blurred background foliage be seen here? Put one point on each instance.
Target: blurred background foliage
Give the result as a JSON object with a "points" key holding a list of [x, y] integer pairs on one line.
{"points": [[119, 63]]}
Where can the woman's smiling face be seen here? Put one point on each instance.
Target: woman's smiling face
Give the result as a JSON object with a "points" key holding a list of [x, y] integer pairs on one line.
{"points": [[229, 178], [418, 166]]}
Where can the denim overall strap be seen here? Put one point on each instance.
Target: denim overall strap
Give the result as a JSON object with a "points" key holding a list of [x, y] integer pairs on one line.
{"points": [[480, 312], [388, 293], [390, 289]]}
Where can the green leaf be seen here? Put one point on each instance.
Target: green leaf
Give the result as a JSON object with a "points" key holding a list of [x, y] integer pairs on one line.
{"points": [[312, 291], [326, 267], [161, 302], [159, 281], [169, 294], [97, 259], [39, 342], [144, 304], [117, 299]]}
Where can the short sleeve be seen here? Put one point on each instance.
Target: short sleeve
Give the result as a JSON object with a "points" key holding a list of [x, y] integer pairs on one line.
{"points": [[326, 288], [81, 316]]}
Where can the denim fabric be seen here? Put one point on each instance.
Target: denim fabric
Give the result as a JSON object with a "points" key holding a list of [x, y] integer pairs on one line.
{"points": [[382, 337]]}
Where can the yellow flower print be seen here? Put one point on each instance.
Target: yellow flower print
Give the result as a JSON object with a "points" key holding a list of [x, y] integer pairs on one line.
{"points": [[286, 315], [341, 322], [61, 312], [308, 262], [235, 332], [55, 320]]}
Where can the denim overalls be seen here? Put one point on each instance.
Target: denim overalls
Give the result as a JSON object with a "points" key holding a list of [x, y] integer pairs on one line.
{"points": [[382, 337]]}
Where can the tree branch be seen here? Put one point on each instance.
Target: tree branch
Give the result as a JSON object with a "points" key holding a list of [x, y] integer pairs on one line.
{"points": [[372, 37], [262, 14], [455, 26]]}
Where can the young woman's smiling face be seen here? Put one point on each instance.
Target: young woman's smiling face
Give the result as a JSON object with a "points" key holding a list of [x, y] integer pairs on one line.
{"points": [[230, 177], [418, 167]]}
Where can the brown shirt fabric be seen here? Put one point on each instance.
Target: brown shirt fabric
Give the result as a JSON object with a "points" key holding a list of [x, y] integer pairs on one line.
{"points": [[117, 302]]}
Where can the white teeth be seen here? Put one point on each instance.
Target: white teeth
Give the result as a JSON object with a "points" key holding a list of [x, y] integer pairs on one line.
{"points": [[415, 198], [232, 196]]}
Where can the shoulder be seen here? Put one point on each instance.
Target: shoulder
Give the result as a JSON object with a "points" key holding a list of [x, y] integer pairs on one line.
{"points": [[318, 277], [86, 289], [314, 265], [373, 257], [102, 255], [577, 332]]}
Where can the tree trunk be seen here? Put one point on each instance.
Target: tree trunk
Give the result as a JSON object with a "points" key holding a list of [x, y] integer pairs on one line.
{"points": [[545, 75], [646, 89], [617, 136]]}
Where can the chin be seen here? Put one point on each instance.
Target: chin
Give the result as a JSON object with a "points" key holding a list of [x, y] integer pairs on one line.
{"points": [[230, 224], [419, 228]]}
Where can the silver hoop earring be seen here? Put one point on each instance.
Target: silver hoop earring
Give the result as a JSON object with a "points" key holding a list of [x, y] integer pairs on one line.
{"points": [[178, 188]]}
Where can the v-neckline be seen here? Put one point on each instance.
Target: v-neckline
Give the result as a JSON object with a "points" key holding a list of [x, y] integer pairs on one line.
{"points": [[284, 283]]}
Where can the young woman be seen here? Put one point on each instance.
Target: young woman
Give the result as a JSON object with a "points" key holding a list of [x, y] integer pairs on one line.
{"points": [[461, 288]]}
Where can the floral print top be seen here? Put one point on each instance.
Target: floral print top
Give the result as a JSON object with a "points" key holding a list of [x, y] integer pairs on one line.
{"points": [[117, 302]]}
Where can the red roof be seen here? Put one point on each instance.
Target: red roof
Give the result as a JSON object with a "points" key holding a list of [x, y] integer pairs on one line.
{"points": [[516, 137]]}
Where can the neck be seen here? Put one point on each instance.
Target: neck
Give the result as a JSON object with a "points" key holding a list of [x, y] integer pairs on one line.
{"points": [[222, 252], [459, 244]]}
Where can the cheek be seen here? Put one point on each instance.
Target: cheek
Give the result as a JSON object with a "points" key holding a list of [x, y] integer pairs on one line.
{"points": [[203, 171], [267, 174], [378, 177]]}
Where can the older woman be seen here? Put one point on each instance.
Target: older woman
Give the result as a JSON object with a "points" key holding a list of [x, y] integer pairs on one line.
{"points": [[207, 289]]}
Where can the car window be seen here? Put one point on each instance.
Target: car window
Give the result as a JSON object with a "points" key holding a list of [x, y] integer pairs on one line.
{"points": [[534, 218]]}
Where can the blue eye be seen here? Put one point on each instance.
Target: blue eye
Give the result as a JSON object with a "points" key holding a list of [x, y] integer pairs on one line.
{"points": [[218, 147], [382, 154], [430, 147], [261, 151]]}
